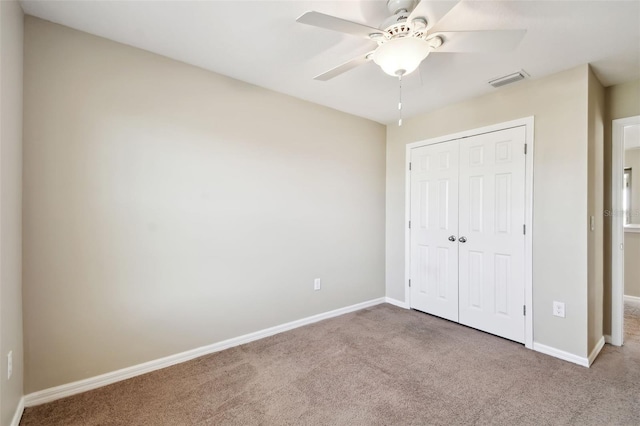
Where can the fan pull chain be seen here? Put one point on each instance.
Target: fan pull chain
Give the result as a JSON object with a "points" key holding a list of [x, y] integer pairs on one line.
{"points": [[400, 100]]}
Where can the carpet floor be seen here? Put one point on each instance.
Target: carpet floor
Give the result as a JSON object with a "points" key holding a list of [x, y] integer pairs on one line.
{"points": [[379, 366]]}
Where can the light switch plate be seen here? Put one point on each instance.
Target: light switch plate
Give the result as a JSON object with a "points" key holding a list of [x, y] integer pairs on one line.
{"points": [[9, 364]]}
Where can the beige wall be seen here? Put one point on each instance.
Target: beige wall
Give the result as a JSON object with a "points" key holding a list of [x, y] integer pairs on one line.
{"points": [[622, 100], [559, 104], [167, 207], [631, 268], [11, 25], [596, 118]]}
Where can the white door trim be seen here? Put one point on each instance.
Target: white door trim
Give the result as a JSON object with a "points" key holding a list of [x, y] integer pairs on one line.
{"points": [[528, 122], [617, 228]]}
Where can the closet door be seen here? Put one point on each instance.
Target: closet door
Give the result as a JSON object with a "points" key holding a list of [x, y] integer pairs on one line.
{"points": [[491, 240], [434, 225]]}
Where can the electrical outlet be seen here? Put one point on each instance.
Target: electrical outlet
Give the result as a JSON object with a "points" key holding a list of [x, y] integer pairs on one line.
{"points": [[9, 364], [317, 284], [558, 309]]}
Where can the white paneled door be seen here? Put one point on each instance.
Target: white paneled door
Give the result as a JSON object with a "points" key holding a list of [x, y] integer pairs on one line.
{"points": [[491, 220], [484, 209], [434, 225]]}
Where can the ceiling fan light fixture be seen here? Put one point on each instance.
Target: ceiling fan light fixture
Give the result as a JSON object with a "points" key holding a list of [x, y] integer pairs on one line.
{"points": [[401, 56]]}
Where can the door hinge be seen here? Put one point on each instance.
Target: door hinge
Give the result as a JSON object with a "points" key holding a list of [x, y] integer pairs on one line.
{"points": [[525, 149], [409, 166], [409, 224], [409, 283], [524, 229], [524, 310]]}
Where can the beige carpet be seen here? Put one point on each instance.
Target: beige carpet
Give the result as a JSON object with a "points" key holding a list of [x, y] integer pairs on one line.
{"points": [[379, 366]]}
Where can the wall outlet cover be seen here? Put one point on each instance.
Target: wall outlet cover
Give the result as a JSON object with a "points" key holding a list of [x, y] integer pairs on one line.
{"points": [[558, 309]]}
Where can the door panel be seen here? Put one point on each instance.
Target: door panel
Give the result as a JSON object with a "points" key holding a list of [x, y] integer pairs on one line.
{"points": [[434, 217], [491, 218]]}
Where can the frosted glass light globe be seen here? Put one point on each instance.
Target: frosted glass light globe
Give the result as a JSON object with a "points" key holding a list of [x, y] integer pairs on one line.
{"points": [[401, 56]]}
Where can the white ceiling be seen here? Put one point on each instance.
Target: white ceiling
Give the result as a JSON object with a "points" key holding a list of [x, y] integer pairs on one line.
{"points": [[259, 42]]}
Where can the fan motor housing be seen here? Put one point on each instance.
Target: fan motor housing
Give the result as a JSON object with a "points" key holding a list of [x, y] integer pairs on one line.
{"points": [[397, 27]]}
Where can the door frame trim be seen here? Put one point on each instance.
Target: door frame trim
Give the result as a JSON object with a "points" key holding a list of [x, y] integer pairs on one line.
{"points": [[528, 123]]}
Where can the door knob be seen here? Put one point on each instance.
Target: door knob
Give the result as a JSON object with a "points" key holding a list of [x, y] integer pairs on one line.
{"points": [[452, 238], [462, 239]]}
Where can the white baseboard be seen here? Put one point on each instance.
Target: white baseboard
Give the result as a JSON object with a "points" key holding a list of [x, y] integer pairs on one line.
{"points": [[557, 353], [18, 414], [607, 339], [396, 302], [594, 353], [62, 391], [631, 299]]}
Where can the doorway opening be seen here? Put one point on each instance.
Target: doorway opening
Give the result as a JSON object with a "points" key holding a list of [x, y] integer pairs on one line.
{"points": [[625, 228]]}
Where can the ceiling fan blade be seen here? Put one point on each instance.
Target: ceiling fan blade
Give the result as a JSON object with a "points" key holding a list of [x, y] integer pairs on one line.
{"points": [[479, 41], [329, 22], [334, 72], [432, 11]]}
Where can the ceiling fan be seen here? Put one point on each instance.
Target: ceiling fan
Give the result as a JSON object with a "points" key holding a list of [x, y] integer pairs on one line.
{"points": [[406, 38]]}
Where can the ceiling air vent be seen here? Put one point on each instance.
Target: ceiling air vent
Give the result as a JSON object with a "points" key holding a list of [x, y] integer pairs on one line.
{"points": [[508, 79]]}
